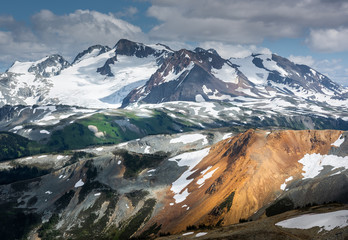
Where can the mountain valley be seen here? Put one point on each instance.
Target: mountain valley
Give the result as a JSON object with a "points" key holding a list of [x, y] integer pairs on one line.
{"points": [[143, 141]]}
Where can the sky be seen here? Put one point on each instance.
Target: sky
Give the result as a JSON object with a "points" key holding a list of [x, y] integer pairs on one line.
{"points": [[311, 32]]}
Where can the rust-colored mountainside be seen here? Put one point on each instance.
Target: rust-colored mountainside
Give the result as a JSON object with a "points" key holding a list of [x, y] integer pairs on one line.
{"points": [[248, 172]]}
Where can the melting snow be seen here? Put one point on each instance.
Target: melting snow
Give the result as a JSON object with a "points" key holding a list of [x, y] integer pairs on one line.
{"points": [[201, 234], [326, 221], [189, 138], [338, 142], [283, 186], [80, 183], [206, 176], [226, 74], [16, 128], [188, 233], [99, 149], [227, 135], [199, 98], [147, 149], [190, 159], [42, 156], [314, 163], [60, 157]]}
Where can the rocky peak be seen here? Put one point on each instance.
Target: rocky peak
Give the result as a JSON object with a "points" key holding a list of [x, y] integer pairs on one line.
{"points": [[98, 49], [130, 48], [50, 66]]}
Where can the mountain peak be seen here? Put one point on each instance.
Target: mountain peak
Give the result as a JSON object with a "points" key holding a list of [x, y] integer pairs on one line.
{"points": [[93, 50]]}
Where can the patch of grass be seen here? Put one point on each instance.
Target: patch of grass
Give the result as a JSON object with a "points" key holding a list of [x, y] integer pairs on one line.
{"points": [[135, 162]]}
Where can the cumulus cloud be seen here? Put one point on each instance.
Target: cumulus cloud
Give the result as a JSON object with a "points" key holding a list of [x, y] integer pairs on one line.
{"points": [[64, 34], [332, 68], [234, 51], [329, 40], [306, 60], [243, 22]]}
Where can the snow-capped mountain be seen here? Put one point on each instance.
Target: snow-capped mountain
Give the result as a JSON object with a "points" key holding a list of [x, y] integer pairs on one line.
{"points": [[130, 72]]}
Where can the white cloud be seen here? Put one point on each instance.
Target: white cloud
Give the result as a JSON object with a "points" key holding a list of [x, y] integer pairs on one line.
{"points": [[234, 51], [306, 60], [329, 40], [68, 34], [243, 22], [333, 68]]}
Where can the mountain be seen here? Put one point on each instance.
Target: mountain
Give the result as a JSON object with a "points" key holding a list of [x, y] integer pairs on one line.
{"points": [[175, 183], [132, 73]]}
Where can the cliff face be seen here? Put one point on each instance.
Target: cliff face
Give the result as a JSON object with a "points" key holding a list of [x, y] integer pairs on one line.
{"points": [[248, 173]]}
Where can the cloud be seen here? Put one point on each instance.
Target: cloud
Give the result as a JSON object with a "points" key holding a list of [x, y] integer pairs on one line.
{"points": [[329, 40], [243, 22], [127, 12], [234, 51], [67, 34], [333, 68], [306, 60]]}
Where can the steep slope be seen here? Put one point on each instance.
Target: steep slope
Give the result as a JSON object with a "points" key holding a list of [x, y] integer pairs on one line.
{"points": [[246, 173], [132, 73], [99, 77], [155, 185], [202, 75]]}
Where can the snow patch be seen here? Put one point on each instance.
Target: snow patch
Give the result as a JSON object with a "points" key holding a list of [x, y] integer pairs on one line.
{"points": [[44, 132], [338, 142], [201, 234], [326, 221], [189, 138], [199, 98], [206, 176], [97, 194], [226, 74], [188, 233], [283, 186], [80, 183], [190, 159], [99, 149], [314, 163]]}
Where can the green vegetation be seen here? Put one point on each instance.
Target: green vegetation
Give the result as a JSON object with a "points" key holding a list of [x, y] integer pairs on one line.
{"points": [[14, 146], [227, 203], [92, 229], [20, 173], [135, 162], [283, 205], [47, 231], [142, 216], [64, 200], [16, 223]]}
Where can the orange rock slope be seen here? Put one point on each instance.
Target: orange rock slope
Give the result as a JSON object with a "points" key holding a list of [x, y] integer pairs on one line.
{"points": [[247, 172]]}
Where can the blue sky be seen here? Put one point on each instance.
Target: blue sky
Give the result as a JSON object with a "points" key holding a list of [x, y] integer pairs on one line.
{"points": [[312, 32]]}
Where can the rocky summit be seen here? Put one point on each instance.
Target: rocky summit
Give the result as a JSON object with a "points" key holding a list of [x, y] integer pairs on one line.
{"points": [[142, 141]]}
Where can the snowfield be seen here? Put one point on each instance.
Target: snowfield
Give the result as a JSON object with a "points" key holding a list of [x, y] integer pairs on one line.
{"points": [[189, 159], [314, 163], [326, 221]]}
